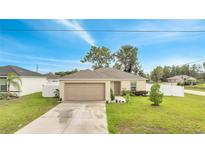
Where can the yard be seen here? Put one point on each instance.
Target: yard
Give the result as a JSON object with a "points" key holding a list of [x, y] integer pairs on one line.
{"points": [[14, 114], [200, 87], [175, 115]]}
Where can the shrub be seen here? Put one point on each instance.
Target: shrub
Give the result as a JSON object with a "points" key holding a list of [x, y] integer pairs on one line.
{"points": [[141, 93], [1, 96], [125, 92], [155, 95], [4, 96], [127, 97], [112, 96], [57, 93]]}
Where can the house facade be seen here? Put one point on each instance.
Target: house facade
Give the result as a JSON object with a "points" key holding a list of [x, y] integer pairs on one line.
{"points": [[180, 79], [31, 82], [96, 85]]}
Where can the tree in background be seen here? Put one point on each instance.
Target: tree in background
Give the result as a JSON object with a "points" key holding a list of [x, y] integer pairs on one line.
{"points": [[194, 70], [167, 72], [127, 60], [204, 72], [157, 74], [99, 57], [66, 72], [204, 66]]}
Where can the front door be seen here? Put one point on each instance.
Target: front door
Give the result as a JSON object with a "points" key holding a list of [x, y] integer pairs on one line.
{"points": [[117, 88]]}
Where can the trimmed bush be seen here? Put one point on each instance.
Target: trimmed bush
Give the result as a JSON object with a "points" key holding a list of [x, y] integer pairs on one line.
{"points": [[155, 95], [127, 97], [57, 93], [125, 92], [112, 96], [141, 93], [6, 96]]}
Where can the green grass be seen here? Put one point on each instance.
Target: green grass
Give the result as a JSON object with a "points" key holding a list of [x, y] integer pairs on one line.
{"points": [[14, 114], [175, 115], [195, 88]]}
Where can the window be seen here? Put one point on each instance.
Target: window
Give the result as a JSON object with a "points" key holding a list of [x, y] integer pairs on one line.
{"points": [[3, 84], [3, 87], [133, 86]]}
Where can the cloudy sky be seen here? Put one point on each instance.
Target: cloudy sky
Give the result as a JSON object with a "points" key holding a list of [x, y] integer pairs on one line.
{"points": [[63, 50]]}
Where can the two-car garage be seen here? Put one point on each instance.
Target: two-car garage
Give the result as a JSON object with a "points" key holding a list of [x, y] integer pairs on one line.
{"points": [[84, 91]]}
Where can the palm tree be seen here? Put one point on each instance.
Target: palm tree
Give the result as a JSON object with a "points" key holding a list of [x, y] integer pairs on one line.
{"points": [[12, 79]]}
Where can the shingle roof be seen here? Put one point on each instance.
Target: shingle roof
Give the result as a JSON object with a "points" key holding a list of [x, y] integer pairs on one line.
{"points": [[102, 73], [52, 76], [4, 70], [181, 77]]}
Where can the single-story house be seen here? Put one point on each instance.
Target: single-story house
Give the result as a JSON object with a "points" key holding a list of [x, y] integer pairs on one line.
{"points": [[31, 82], [89, 85], [181, 79]]}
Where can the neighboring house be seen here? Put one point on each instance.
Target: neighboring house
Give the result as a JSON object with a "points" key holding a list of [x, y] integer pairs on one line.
{"points": [[31, 81], [52, 78], [180, 79], [95, 85]]}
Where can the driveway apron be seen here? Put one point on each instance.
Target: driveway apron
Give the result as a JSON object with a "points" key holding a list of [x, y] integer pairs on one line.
{"points": [[71, 118]]}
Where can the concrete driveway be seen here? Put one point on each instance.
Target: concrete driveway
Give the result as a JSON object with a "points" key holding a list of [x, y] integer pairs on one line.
{"points": [[70, 117]]}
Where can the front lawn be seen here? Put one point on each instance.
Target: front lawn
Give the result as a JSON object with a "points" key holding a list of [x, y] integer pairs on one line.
{"points": [[175, 115], [14, 114], [202, 89]]}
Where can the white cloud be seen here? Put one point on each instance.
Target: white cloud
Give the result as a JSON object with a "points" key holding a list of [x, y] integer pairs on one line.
{"points": [[76, 26], [45, 64], [160, 37]]}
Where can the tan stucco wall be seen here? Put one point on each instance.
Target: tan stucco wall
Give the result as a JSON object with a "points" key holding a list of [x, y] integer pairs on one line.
{"points": [[141, 85], [107, 87], [125, 85]]}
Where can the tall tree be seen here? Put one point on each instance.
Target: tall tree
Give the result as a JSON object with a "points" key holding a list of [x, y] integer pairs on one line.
{"points": [[204, 72], [12, 79], [157, 74], [166, 72], [66, 72], [196, 70], [184, 70], [99, 56], [204, 66], [127, 59]]}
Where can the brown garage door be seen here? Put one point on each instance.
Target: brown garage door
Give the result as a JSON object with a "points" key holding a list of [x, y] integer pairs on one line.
{"points": [[84, 91]]}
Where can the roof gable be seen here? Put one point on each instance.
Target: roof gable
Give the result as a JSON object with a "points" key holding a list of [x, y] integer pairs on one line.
{"points": [[4, 70], [103, 73], [181, 77]]}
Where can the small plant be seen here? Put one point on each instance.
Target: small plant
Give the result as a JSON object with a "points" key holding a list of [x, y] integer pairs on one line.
{"points": [[125, 92], [112, 96], [127, 97], [56, 93], [155, 95], [141, 93], [4, 96]]}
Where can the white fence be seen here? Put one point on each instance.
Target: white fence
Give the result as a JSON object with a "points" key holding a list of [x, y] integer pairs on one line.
{"points": [[49, 89], [169, 90]]}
